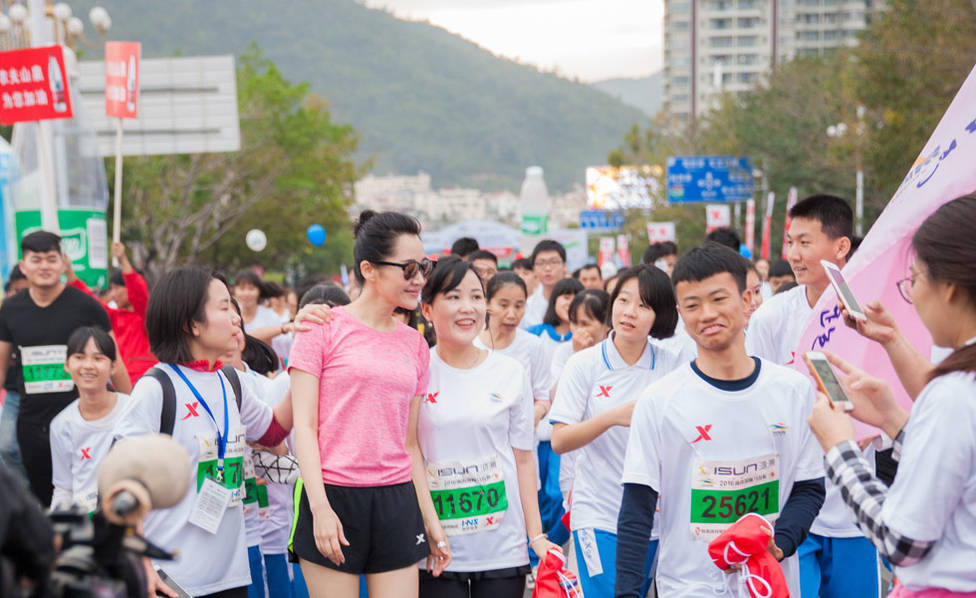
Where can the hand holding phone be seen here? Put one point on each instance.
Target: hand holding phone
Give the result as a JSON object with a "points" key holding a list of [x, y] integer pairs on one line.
{"points": [[844, 292], [826, 379]]}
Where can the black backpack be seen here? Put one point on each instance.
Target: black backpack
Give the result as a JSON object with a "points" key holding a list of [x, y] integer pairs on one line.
{"points": [[167, 415]]}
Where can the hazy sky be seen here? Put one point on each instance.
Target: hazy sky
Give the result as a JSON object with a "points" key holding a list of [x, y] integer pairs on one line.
{"points": [[589, 39]]}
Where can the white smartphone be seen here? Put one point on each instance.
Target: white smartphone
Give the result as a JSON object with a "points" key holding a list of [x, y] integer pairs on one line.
{"points": [[826, 379], [844, 292]]}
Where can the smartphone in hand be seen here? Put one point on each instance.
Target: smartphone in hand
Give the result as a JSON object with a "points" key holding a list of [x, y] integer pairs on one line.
{"points": [[826, 379], [844, 292]]}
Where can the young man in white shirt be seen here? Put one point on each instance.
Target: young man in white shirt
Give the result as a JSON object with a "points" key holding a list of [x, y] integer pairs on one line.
{"points": [[549, 266], [836, 560], [716, 438]]}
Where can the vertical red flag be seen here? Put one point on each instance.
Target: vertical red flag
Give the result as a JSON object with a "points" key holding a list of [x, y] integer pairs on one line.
{"points": [[767, 226], [790, 202], [623, 250], [750, 224], [122, 78], [33, 85]]}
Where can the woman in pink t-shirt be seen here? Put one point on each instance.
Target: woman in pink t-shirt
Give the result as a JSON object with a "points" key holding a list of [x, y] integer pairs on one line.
{"points": [[353, 382]]}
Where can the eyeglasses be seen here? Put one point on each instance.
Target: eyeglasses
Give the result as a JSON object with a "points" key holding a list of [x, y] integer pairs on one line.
{"points": [[548, 263], [905, 288], [411, 267]]}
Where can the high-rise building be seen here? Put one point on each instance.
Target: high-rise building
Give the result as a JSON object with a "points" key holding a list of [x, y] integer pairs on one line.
{"points": [[716, 46]]}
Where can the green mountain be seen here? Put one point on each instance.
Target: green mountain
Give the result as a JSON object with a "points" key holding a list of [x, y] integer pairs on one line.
{"points": [[644, 93], [420, 97]]}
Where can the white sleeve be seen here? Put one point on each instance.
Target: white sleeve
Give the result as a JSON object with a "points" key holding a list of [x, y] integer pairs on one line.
{"points": [[521, 418], [574, 391], [255, 414], [539, 369], [142, 415], [61, 452], [938, 453], [759, 335], [809, 464], [642, 459]]}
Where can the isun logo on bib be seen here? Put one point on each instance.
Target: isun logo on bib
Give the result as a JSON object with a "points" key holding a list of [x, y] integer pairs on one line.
{"points": [[462, 470]]}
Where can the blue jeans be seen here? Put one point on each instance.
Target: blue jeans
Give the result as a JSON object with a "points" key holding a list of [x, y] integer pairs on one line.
{"points": [[9, 450], [601, 585], [838, 567]]}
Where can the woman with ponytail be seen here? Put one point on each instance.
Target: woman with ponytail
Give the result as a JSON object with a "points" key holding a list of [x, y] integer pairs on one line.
{"points": [[925, 523]]}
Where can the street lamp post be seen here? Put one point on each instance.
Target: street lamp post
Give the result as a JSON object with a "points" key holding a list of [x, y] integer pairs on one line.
{"points": [[839, 131]]}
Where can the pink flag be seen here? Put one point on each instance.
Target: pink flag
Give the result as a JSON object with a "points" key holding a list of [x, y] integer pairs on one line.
{"points": [[943, 171]]}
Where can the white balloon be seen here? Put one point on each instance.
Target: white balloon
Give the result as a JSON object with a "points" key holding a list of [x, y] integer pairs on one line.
{"points": [[256, 239]]}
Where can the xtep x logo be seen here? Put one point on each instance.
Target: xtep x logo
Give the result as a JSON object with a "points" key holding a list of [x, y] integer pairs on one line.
{"points": [[604, 391], [432, 397], [489, 520], [86, 453], [702, 433], [191, 409]]}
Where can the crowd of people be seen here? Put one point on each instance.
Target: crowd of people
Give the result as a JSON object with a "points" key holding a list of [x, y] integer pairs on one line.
{"points": [[433, 429]]}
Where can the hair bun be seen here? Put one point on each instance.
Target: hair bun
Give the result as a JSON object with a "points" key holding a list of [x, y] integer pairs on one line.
{"points": [[364, 217]]}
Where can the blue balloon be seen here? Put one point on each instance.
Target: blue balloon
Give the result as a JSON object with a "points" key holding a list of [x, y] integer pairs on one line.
{"points": [[316, 235]]}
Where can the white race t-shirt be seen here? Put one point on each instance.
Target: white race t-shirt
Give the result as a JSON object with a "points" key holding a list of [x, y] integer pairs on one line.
{"points": [[774, 333], [207, 563], [265, 316], [535, 309], [528, 350], [933, 496], [682, 422], [468, 426], [77, 449], [596, 380], [276, 521]]}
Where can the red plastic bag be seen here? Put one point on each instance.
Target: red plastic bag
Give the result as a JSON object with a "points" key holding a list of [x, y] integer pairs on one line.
{"points": [[554, 580], [744, 543]]}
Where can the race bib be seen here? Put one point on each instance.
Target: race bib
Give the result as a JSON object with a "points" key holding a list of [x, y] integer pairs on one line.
{"points": [[724, 491], [233, 473], [469, 496], [43, 369]]}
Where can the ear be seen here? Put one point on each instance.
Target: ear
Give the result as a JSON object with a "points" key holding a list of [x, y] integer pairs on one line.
{"points": [[369, 270], [747, 296], [842, 247], [426, 310], [194, 328]]}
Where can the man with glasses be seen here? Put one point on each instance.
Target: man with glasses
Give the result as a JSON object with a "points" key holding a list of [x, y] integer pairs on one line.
{"points": [[836, 560], [549, 266]]}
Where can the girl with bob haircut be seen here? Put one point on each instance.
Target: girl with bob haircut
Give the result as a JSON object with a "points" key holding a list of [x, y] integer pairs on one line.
{"points": [[354, 381], [477, 417], [192, 325], [84, 428], [592, 409], [925, 522]]}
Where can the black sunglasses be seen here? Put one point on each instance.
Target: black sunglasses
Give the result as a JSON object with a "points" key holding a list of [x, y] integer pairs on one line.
{"points": [[411, 267]]}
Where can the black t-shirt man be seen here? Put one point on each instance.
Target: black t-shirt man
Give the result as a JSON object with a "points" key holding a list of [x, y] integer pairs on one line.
{"points": [[40, 336]]}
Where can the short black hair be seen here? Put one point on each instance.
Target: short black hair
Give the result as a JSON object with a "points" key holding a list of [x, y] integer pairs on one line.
{"points": [[447, 275], [376, 235], [178, 298], [833, 213], [595, 302], [464, 247], [40, 241], [566, 286], [324, 294], [251, 277], [725, 236], [579, 270], [523, 262], [496, 282], [547, 245], [780, 268], [656, 251], [15, 275], [481, 254], [707, 261], [655, 291], [79, 338]]}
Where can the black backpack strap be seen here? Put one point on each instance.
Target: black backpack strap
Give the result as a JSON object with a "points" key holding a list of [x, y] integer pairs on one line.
{"points": [[167, 415], [235, 383]]}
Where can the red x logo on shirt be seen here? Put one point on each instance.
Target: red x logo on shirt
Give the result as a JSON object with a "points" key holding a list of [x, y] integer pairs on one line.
{"points": [[604, 391], [432, 397], [702, 433], [191, 409], [86, 453]]}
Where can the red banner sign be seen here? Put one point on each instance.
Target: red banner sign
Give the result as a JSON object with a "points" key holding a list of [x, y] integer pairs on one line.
{"points": [[658, 232], [33, 85], [122, 78]]}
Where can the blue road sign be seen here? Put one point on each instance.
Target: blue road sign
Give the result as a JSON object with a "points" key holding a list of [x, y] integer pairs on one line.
{"points": [[711, 179], [601, 220]]}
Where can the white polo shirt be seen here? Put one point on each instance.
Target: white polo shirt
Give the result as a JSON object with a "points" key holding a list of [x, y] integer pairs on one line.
{"points": [[207, 563], [933, 496], [596, 380], [77, 449], [528, 350], [470, 421], [774, 333], [683, 422]]}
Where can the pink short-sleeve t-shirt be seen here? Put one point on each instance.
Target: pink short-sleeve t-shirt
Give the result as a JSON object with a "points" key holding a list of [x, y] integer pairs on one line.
{"points": [[367, 378]]}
